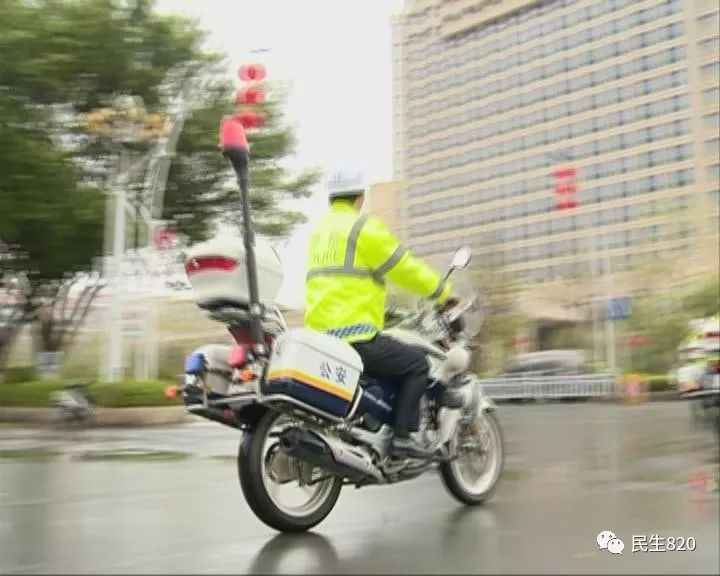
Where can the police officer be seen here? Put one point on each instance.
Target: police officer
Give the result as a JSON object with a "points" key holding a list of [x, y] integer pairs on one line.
{"points": [[350, 258], [698, 352]]}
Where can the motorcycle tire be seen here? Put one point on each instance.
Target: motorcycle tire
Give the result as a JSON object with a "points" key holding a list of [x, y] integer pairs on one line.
{"points": [[455, 485], [250, 473]]}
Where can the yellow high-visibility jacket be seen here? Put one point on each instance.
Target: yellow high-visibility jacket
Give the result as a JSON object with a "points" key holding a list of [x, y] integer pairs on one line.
{"points": [[349, 259]]}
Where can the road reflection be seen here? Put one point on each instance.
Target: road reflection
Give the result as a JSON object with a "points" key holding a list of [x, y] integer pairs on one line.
{"points": [[309, 553]]}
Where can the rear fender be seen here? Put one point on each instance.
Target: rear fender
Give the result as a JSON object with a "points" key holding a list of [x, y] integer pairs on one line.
{"points": [[250, 416]]}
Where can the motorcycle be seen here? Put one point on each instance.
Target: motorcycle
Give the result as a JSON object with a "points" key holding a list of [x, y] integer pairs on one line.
{"points": [[699, 381], [705, 398], [311, 420], [74, 405]]}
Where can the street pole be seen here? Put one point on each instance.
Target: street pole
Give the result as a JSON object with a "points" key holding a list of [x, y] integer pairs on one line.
{"points": [[594, 300], [156, 184], [591, 246], [114, 366], [609, 322], [126, 123]]}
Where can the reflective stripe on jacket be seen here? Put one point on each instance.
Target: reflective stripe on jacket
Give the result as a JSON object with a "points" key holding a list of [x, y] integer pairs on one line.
{"points": [[349, 259]]}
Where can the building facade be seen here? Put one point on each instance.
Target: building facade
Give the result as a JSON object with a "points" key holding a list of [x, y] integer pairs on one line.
{"points": [[492, 96], [384, 200]]}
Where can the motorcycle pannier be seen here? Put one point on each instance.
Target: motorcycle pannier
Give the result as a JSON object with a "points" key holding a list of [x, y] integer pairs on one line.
{"points": [[314, 369]]}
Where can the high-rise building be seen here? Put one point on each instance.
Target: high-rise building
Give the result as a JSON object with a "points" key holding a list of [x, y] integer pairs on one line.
{"points": [[384, 201], [493, 96]]}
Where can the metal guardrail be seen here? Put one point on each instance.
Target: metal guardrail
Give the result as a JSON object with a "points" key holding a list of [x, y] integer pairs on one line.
{"points": [[541, 387]]}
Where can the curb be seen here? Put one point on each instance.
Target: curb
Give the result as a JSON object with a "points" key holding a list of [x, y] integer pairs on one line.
{"points": [[103, 417], [667, 396], [170, 415]]}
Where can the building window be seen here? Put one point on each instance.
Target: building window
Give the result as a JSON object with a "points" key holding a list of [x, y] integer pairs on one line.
{"points": [[711, 122], [685, 177], [711, 97], [710, 71], [709, 23], [713, 173], [710, 47], [712, 147]]}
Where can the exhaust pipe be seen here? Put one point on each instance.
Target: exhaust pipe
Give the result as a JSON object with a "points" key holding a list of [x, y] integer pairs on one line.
{"points": [[332, 454]]}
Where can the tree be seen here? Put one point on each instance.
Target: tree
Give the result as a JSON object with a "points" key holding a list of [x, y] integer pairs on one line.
{"points": [[704, 300], [199, 191], [502, 319], [665, 320], [65, 58]]}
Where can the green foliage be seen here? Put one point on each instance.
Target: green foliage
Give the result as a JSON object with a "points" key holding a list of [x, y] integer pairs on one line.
{"points": [[54, 219], [81, 51], [61, 58], [64, 57], [571, 337], [704, 301], [200, 189], [109, 395], [16, 374], [131, 393], [36, 453], [658, 383], [665, 329], [665, 319], [502, 322]]}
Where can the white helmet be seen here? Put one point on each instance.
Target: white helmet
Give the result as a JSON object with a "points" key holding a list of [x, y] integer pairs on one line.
{"points": [[346, 183]]}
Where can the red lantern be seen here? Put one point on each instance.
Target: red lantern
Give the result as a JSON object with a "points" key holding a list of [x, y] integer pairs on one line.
{"points": [[250, 96], [565, 188], [567, 204], [251, 72], [564, 173], [250, 119]]}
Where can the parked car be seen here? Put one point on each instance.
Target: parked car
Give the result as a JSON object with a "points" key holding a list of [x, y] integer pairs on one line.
{"points": [[548, 363]]}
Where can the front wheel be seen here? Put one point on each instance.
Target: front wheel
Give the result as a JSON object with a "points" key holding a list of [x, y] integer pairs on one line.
{"points": [[270, 481], [477, 446]]}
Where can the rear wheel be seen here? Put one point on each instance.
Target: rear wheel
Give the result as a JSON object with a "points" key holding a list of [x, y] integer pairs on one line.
{"points": [[271, 483], [473, 474]]}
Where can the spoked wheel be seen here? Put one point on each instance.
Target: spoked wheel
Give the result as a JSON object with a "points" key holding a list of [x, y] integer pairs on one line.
{"points": [[284, 493], [472, 475]]}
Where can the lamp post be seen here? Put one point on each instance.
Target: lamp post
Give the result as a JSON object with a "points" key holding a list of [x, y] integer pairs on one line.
{"points": [[565, 190], [124, 126]]}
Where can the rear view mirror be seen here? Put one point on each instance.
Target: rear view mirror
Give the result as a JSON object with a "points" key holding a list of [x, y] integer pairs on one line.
{"points": [[461, 259]]}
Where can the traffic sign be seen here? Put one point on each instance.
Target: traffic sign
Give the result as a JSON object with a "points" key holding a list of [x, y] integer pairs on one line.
{"points": [[619, 308]]}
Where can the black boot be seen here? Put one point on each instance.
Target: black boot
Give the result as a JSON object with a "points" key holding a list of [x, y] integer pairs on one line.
{"points": [[406, 447]]}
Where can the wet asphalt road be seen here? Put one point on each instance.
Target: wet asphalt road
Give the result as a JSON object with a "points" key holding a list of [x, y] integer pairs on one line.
{"points": [[68, 503]]}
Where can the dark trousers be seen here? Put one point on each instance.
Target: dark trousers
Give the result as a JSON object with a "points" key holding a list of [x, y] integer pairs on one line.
{"points": [[385, 358]]}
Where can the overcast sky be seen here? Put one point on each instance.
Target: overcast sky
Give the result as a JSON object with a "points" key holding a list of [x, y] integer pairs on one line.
{"points": [[336, 55]]}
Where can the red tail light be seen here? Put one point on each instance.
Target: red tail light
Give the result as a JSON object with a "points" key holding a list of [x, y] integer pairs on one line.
{"points": [[209, 263]]}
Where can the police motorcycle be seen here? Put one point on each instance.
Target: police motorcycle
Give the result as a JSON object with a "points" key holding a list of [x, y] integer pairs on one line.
{"points": [[698, 379], [311, 421]]}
